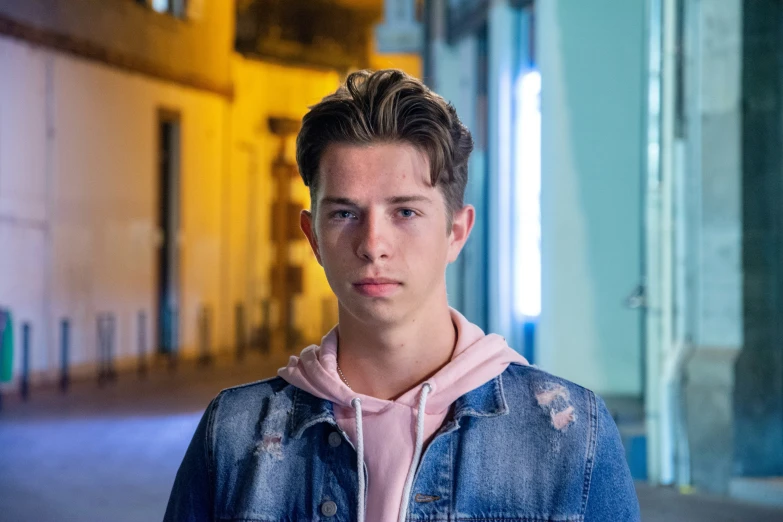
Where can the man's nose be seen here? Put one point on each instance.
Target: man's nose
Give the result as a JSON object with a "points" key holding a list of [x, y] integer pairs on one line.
{"points": [[372, 242]]}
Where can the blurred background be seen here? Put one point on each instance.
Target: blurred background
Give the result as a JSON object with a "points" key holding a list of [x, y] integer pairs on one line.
{"points": [[628, 180]]}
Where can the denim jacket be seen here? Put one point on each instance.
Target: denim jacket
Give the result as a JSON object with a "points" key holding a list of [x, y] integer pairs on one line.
{"points": [[525, 446]]}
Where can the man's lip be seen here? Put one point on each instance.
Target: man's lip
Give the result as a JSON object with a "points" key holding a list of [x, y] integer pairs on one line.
{"points": [[377, 281]]}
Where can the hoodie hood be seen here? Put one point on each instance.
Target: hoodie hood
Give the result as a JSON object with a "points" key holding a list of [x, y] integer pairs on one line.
{"points": [[477, 358], [389, 435]]}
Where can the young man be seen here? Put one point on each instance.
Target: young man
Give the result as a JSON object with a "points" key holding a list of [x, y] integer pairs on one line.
{"points": [[406, 411]]}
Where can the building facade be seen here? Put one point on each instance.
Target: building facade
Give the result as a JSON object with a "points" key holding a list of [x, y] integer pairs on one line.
{"points": [[637, 204], [144, 163]]}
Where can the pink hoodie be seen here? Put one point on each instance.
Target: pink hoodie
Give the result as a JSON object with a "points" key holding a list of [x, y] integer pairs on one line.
{"points": [[391, 433]]}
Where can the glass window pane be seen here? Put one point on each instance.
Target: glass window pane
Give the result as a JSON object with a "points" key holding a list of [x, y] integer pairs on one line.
{"points": [[161, 6]]}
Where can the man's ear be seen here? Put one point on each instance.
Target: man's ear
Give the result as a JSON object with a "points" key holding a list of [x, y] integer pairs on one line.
{"points": [[461, 225], [307, 223]]}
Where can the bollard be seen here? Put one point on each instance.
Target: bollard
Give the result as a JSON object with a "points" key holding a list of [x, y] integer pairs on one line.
{"points": [[25, 382], [205, 355], [101, 344], [106, 337], [111, 373], [65, 332], [265, 337], [240, 331], [293, 336], [6, 349], [171, 338], [141, 339]]}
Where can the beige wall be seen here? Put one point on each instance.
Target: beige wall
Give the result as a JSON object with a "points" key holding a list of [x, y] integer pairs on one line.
{"points": [[78, 198]]}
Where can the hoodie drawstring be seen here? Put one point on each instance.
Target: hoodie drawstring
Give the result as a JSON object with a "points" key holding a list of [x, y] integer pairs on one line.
{"points": [[357, 406], [406, 493]]}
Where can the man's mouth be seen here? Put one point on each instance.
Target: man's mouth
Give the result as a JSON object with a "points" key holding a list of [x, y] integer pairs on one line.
{"points": [[377, 286]]}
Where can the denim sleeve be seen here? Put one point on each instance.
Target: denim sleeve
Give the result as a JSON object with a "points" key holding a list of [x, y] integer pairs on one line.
{"points": [[611, 495], [192, 495]]}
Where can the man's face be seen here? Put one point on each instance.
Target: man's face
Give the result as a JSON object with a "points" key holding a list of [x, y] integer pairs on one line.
{"points": [[381, 231]]}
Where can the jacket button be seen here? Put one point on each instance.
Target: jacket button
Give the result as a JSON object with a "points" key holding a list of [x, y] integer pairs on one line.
{"points": [[328, 509], [335, 439]]}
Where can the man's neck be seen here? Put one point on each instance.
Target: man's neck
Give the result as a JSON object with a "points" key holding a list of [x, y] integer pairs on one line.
{"points": [[387, 362]]}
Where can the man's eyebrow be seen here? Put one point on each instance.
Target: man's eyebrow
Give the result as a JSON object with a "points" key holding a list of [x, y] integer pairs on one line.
{"points": [[393, 200], [331, 200], [397, 200]]}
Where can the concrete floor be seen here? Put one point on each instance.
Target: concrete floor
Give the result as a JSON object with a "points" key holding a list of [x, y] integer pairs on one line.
{"points": [[112, 455]]}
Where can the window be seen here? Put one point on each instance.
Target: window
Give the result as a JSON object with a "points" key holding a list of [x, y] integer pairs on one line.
{"points": [[172, 7], [161, 6]]}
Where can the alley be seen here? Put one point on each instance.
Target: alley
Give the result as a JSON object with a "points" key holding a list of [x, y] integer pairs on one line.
{"points": [[89, 456]]}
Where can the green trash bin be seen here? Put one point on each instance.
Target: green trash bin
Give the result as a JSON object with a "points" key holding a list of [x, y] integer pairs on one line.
{"points": [[6, 346]]}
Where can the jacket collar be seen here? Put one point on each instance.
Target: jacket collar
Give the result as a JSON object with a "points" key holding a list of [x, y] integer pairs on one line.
{"points": [[488, 400]]}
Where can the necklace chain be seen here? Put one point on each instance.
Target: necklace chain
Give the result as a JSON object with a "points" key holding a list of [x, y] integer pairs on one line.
{"points": [[343, 377]]}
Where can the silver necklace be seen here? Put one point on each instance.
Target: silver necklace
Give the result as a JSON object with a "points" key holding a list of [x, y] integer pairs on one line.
{"points": [[343, 377]]}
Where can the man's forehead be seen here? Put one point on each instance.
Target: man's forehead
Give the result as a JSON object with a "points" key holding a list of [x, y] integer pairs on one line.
{"points": [[394, 169]]}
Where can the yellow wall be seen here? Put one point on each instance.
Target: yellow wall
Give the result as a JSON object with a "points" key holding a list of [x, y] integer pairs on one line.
{"points": [[410, 63], [266, 89], [78, 205], [263, 90]]}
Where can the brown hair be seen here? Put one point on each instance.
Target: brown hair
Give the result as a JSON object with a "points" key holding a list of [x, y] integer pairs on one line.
{"points": [[389, 106]]}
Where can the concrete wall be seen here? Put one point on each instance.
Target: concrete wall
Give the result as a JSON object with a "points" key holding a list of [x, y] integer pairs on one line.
{"points": [[713, 234], [591, 58], [196, 49], [758, 398]]}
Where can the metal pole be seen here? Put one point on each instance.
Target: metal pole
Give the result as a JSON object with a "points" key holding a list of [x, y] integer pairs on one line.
{"points": [[205, 357], [141, 338], [101, 331], [265, 339], [110, 341], [173, 339], [25, 383], [3, 325], [65, 331], [240, 331]]}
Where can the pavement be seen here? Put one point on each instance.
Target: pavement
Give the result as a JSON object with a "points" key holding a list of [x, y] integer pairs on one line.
{"points": [[110, 453]]}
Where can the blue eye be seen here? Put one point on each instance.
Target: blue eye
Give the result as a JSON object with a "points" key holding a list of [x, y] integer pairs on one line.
{"points": [[407, 213], [343, 214]]}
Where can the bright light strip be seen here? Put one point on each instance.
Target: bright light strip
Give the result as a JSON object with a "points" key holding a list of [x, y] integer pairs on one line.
{"points": [[527, 177]]}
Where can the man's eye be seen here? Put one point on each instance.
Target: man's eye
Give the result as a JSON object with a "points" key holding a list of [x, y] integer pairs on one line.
{"points": [[343, 214], [407, 213]]}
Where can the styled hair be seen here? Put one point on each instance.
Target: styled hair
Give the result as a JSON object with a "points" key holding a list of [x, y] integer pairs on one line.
{"points": [[389, 106]]}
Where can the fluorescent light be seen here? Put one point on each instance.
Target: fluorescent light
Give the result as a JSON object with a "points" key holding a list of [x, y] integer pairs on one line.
{"points": [[527, 177]]}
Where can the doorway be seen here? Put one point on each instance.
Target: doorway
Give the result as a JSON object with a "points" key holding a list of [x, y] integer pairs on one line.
{"points": [[168, 223]]}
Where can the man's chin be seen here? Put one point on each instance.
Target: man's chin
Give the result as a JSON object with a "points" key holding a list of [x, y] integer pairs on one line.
{"points": [[376, 312]]}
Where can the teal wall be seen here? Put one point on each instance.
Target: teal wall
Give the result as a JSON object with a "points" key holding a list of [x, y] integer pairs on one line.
{"points": [[591, 54]]}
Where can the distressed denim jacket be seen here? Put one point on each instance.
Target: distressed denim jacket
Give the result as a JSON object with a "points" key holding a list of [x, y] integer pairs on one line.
{"points": [[270, 452]]}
